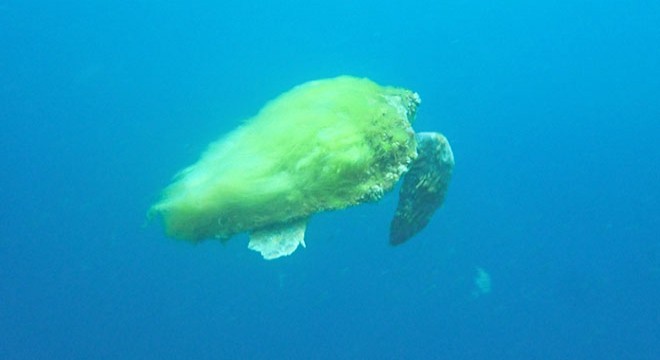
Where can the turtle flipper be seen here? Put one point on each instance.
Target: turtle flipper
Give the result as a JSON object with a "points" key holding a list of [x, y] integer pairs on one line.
{"points": [[278, 240], [424, 186]]}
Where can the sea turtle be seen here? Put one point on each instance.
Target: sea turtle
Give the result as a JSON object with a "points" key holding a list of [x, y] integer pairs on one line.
{"points": [[323, 145]]}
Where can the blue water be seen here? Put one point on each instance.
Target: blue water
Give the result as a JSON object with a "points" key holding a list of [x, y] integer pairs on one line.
{"points": [[552, 109]]}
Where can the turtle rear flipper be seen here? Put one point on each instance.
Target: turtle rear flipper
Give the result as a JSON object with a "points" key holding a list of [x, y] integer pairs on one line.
{"points": [[424, 186], [278, 240]]}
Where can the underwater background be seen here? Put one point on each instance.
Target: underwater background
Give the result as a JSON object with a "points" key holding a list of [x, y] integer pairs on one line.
{"points": [[548, 245]]}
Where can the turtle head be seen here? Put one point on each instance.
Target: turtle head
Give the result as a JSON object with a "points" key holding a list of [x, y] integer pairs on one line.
{"points": [[411, 101]]}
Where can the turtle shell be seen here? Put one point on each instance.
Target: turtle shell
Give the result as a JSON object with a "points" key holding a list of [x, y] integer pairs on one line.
{"points": [[323, 145]]}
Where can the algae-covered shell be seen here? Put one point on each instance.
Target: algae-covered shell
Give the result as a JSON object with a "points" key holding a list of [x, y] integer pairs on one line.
{"points": [[323, 145]]}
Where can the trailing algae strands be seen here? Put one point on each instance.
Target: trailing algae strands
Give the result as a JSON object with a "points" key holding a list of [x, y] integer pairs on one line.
{"points": [[323, 145]]}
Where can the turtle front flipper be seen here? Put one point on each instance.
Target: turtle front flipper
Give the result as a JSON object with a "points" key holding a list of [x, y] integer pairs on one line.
{"points": [[424, 186], [278, 240]]}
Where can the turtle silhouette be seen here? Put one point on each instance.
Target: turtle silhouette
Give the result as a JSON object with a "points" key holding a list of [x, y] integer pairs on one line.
{"points": [[323, 145]]}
